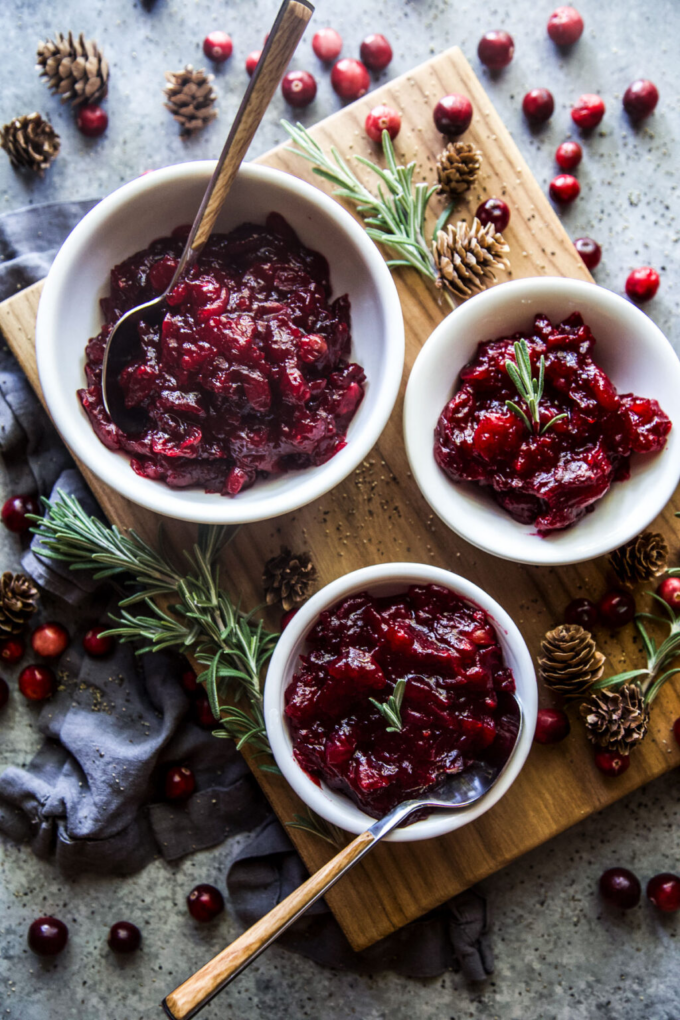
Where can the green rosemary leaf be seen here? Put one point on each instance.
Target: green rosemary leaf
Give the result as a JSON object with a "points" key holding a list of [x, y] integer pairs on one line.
{"points": [[310, 822], [512, 406], [443, 219], [391, 709], [620, 678], [552, 421]]}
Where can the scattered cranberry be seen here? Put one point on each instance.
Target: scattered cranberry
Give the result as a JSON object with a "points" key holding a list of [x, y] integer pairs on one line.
{"points": [[349, 78], [218, 47], [92, 121], [205, 902], [180, 783], [124, 937], [96, 645], [640, 99], [565, 26], [376, 52], [287, 617], [327, 44], [611, 762], [496, 49], [588, 111], [496, 211], [564, 188], [47, 936], [203, 712], [382, 118], [589, 250], [299, 88], [669, 591], [581, 612], [620, 887], [37, 683], [568, 155], [664, 892], [15, 511], [252, 60], [617, 608], [4, 692], [552, 725], [11, 650], [676, 730], [452, 114], [642, 284], [538, 105], [188, 681], [50, 640]]}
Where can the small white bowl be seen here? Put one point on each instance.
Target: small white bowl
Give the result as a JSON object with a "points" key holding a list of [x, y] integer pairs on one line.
{"points": [[635, 355], [150, 207], [390, 579]]}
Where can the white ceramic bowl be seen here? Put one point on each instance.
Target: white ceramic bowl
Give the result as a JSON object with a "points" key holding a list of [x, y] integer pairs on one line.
{"points": [[389, 579], [151, 207], [630, 348]]}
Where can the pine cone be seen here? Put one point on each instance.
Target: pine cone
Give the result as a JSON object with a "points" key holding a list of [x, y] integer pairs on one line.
{"points": [[18, 598], [287, 578], [641, 559], [191, 98], [457, 168], [465, 257], [617, 719], [30, 142], [75, 69], [571, 662]]}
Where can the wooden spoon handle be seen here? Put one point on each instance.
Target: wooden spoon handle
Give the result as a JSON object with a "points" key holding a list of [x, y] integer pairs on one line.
{"points": [[186, 1000]]}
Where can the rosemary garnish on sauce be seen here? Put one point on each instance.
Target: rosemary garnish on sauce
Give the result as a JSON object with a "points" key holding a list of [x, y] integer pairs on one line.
{"points": [[391, 709], [529, 389]]}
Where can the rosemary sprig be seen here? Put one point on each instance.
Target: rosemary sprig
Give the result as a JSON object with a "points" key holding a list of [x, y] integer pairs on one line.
{"points": [[391, 709], [316, 826], [529, 388]]}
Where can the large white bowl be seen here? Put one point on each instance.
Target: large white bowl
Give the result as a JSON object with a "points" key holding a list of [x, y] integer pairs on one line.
{"points": [[630, 348], [151, 207], [389, 579]]}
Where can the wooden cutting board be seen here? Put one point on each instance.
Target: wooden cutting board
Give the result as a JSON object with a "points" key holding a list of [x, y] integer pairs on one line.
{"points": [[378, 515]]}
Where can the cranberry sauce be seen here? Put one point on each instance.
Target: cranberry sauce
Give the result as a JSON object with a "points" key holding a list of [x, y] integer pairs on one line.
{"points": [[546, 478], [248, 375], [456, 708]]}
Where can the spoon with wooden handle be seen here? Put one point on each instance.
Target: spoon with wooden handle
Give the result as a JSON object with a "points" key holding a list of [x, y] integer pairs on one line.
{"points": [[123, 343]]}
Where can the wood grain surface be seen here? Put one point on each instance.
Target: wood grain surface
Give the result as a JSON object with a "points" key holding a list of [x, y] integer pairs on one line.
{"points": [[378, 515]]}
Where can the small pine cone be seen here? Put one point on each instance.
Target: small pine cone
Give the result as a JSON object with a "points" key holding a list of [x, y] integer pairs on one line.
{"points": [[30, 142], [75, 69], [465, 257], [287, 578], [571, 662], [641, 559], [191, 98], [18, 602], [616, 720], [457, 168]]}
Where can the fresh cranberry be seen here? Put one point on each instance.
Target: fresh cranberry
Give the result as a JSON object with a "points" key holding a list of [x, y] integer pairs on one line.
{"points": [[11, 650], [15, 513], [205, 902], [4, 692], [538, 105], [252, 60], [664, 892], [376, 52], [640, 99], [96, 645], [188, 681], [620, 887], [496, 49], [92, 121], [327, 44], [589, 250], [47, 936], [496, 211], [552, 725], [287, 617], [37, 683], [676, 729], [617, 608], [218, 47], [124, 937], [203, 712], [642, 284], [582, 613], [565, 26], [350, 78], [452, 114], [382, 118], [50, 640], [180, 783], [588, 111], [564, 189], [611, 762], [568, 155], [669, 591], [298, 88]]}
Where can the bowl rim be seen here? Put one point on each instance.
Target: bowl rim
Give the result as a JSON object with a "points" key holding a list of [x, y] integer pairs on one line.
{"points": [[336, 807], [158, 497], [480, 534]]}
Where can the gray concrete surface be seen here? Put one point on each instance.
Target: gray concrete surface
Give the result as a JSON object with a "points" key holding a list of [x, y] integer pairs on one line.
{"points": [[560, 955]]}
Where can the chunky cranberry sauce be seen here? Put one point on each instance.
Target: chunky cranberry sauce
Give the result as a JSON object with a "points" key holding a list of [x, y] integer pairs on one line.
{"points": [[457, 704], [248, 375], [553, 473]]}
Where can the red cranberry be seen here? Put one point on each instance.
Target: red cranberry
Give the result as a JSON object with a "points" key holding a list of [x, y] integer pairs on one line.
{"points": [[611, 762], [568, 155], [4, 692], [565, 26], [552, 725], [299, 88], [589, 250], [620, 887], [47, 936], [124, 937], [15, 510], [496, 49], [617, 608], [92, 121], [452, 114], [669, 591], [218, 47], [96, 645], [664, 892], [496, 211], [287, 617], [180, 783], [349, 78], [37, 683], [252, 60], [642, 284], [205, 902], [588, 111], [188, 681], [50, 640], [376, 52], [327, 44], [203, 712], [564, 189], [640, 99], [581, 612], [538, 105], [676, 729], [11, 650], [382, 118]]}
